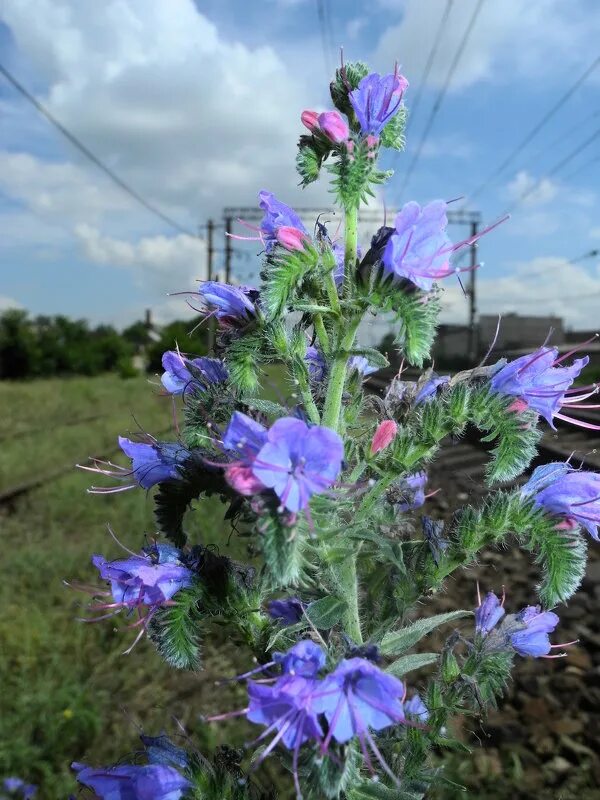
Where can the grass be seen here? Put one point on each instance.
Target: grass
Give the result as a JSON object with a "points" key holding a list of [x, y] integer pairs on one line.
{"points": [[67, 692]]}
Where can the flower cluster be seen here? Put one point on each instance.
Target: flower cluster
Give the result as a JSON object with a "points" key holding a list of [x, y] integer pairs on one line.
{"points": [[525, 633], [133, 782], [15, 787], [291, 458], [351, 701]]}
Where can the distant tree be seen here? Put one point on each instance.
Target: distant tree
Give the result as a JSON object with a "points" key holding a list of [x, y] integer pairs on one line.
{"points": [[177, 333], [18, 346]]}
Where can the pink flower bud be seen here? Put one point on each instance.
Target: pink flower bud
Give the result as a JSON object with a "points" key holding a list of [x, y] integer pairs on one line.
{"points": [[291, 238], [372, 142], [242, 479], [567, 524], [517, 406], [334, 126], [384, 434], [350, 146], [310, 119]]}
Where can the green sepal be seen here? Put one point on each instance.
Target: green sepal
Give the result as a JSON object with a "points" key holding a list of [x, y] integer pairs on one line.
{"points": [[283, 275], [282, 546], [392, 135], [326, 612], [243, 359], [346, 80], [354, 174], [175, 629], [517, 434]]}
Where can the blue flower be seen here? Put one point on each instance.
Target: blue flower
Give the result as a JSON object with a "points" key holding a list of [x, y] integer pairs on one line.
{"points": [[298, 461], [140, 581], [233, 306], [243, 438], [488, 614], [411, 489], [377, 100], [415, 707], [132, 782], [538, 382], [563, 491], [277, 216], [182, 374], [286, 611], [154, 462], [533, 640], [361, 365], [18, 788], [316, 364], [419, 249], [305, 659], [428, 390]]}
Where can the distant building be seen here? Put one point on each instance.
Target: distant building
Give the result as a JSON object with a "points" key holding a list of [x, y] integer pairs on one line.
{"points": [[519, 332]]}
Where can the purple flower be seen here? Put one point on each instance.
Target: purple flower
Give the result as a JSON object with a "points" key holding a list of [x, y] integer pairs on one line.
{"points": [[316, 364], [357, 697], [419, 248], [361, 365], [488, 614], [154, 462], [304, 659], [333, 126], [182, 373], [286, 611], [415, 707], [243, 438], [18, 788], [340, 264], [561, 490], [411, 490], [428, 390], [132, 782], [138, 581], [376, 100], [277, 215], [533, 640], [233, 306], [538, 382], [298, 461]]}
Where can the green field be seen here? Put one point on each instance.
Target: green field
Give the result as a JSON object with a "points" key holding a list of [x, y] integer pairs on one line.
{"points": [[67, 692]]}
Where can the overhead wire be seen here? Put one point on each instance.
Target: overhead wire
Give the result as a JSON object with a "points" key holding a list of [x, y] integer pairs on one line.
{"points": [[321, 15], [555, 169], [534, 131], [79, 145], [429, 63], [441, 95]]}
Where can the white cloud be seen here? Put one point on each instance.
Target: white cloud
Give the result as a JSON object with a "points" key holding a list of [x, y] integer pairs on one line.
{"points": [[8, 302], [510, 38], [448, 146], [539, 191], [549, 285], [168, 263]]}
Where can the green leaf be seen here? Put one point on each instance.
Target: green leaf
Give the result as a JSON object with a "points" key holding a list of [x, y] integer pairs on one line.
{"points": [[399, 641], [325, 612], [282, 547], [267, 407], [175, 630], [408, 663], [377, 791], [284, 274]]}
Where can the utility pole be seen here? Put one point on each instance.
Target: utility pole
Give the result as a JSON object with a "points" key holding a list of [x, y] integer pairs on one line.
{"points": [[210, 228], [473, 343], [228, 249]]}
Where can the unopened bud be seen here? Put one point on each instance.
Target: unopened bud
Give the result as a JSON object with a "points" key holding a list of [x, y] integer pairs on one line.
{"points": [[310, 119], [291, 238], [334, 126], [384, 434]]}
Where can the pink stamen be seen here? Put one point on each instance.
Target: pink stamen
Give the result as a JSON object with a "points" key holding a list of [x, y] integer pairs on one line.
{"points": [[579, 422], [577, 349]]}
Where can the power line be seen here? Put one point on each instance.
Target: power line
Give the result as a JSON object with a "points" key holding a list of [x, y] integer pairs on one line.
{"points": [[321, 14], [91, 156], [429, 64], [440, 98], [535, 130], [543, 270], [583, 166], [556, 168]]}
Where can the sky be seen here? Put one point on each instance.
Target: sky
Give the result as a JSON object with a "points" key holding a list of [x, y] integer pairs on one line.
{"points": [[196, 106]]}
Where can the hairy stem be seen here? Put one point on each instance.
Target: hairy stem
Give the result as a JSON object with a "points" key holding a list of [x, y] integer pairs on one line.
{"points": [[346, 329], [344, 575], [321, 332]]}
